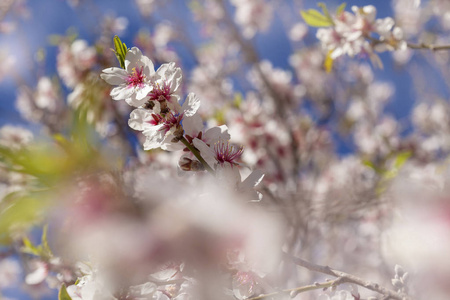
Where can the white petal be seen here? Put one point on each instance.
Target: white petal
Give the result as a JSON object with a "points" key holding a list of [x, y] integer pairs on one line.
{"points": [[218, 133], [133, 101], [193, 125], [131, 59], [228, 174], [139, 119], [38, 275], [191, 105], [142, 93], [114, 76], [154, 137], [121, 92], [149, 68], [175, 79]]}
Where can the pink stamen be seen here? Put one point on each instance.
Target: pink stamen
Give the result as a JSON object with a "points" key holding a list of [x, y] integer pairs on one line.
{"points": [[136, 78], [160, 93], [227, 153], [170, 121], [156, 119]]}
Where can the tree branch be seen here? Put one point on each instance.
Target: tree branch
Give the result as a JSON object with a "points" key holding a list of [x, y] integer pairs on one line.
{"points": [[348, 278], [293, 292], [431, 47]]}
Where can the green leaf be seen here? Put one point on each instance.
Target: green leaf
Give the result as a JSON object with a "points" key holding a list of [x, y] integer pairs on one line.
{"points": [[22, 213], [341, 8], [314, 18], [28, 247], [63, 294], [237, 102], [44, 243], [401, 159], [324, 8], [120, 49]]}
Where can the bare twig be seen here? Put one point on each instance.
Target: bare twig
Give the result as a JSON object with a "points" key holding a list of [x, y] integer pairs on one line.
{"points": [[298, 290], [431, 47], [348, 278]]}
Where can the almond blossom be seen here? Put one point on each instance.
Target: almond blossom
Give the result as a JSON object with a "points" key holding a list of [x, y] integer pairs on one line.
{"points": [[351, 34], [163, 130], [133, 81]]}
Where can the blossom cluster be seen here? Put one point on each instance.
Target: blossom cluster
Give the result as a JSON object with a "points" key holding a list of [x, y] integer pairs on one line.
{"points": [[170, 124], [360, 33]]}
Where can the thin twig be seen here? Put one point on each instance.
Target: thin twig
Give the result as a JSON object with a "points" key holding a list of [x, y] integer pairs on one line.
{"points": [[301, 289], [348, 278], [431, 47]]}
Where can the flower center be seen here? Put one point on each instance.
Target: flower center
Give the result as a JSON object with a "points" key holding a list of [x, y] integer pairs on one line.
{"points": [[170, 121], [227, 153], [136, 78], [156, 119], [160, 92]]}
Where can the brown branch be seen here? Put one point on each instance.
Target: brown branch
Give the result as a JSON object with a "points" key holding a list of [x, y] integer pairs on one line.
{"points": [[295, 291], [431, 47], [348, 278]]}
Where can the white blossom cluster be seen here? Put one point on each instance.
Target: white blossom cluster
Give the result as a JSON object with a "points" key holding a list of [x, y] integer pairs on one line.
{"points": [[360, 33]]}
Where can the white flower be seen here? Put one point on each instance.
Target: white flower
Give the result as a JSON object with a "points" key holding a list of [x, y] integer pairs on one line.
{"points": [[222, 157], [9, 272], [351, 32], [39, 274], [164, 85], [73, 60], [89, 289], [133, 81], [164, 130], [15, 137], [221, 153], [245, 285]]}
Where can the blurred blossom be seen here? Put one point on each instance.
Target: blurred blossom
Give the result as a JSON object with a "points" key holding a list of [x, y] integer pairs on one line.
{"points": [[349, 33], [441, 9], [279, 79], [10, 271], [408, 16], [46, 97], [338, 295], [253, 15], [7, 66], [15, 136], [419, 233], [146, 7], [196, 225], [44, 104], [298, 32], [7, 27], [379, 140], [163, 34], [402, 57], [308, 66], [113, 25], [73, 60]]}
